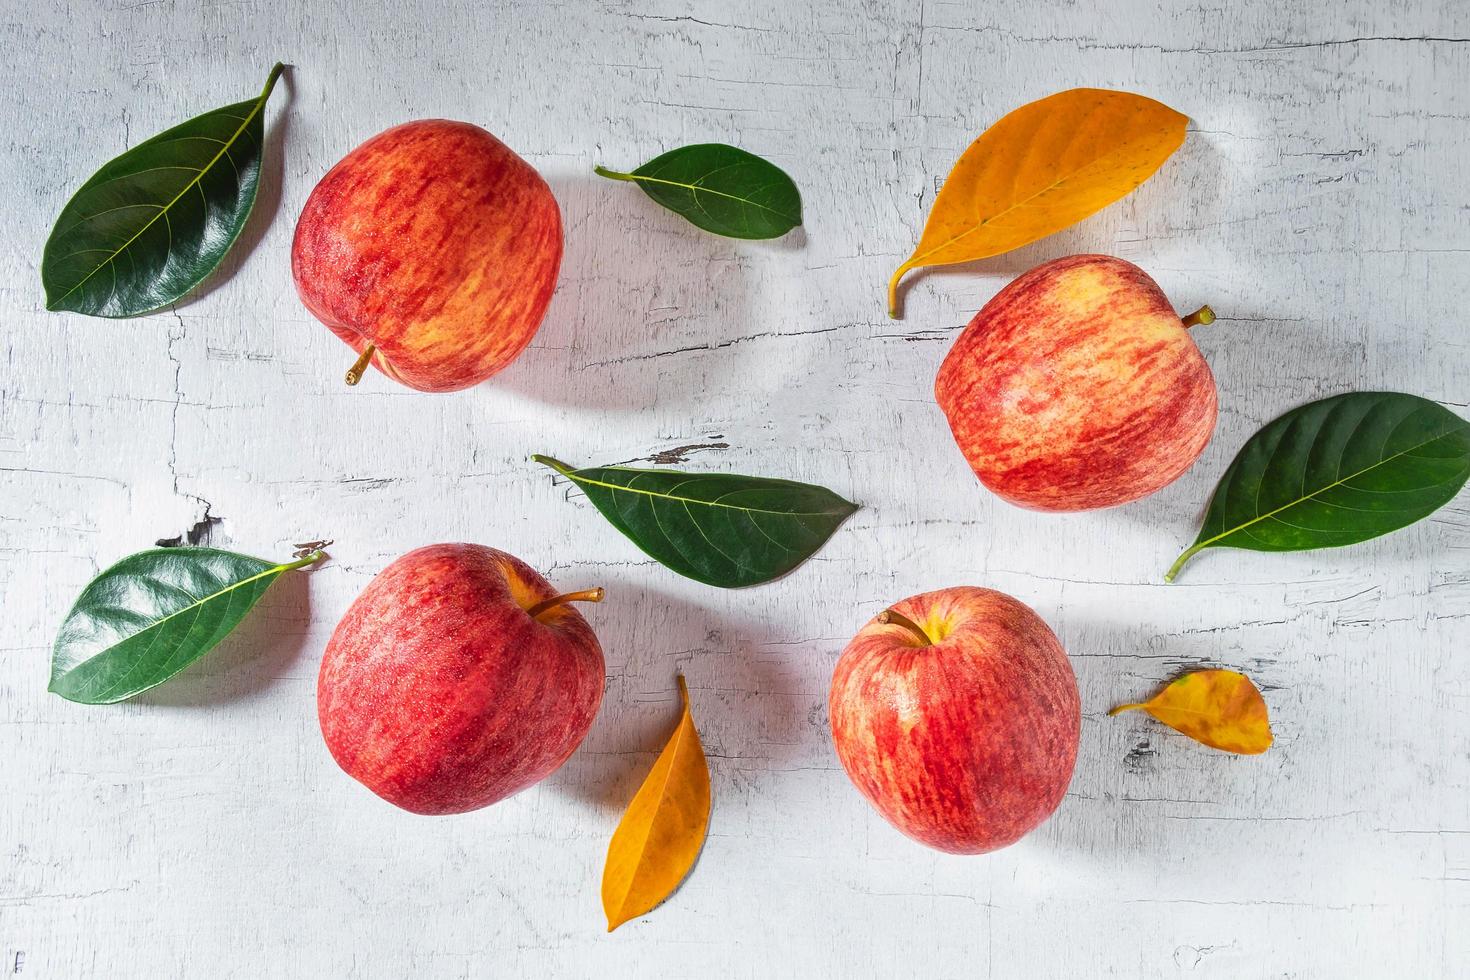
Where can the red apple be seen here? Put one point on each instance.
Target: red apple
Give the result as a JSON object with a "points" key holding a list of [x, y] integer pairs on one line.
{"points": [[457, 678], [956, 714], [432, 249], [1078, 386]]}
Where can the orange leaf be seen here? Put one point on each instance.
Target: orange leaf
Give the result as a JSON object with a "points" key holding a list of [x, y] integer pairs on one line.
{"points": [[1043, 167], [1220, 708], [663, 829]]}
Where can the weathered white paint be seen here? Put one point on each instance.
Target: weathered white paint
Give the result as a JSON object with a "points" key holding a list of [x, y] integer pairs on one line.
{"points": [[1319, 203]]}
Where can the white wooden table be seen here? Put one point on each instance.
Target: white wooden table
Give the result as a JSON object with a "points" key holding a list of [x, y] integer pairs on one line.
{"points": [[1319, 203]]}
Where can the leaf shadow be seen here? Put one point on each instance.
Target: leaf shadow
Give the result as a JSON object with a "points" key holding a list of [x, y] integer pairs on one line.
{"points": [[270, 194], [266, 644], [794, 240], [1187, 193], [1086, 236], [1140, 789]]}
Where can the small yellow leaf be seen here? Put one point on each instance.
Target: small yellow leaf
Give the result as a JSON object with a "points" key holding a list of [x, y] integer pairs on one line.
{"points": [[1220, 708], [663, 829], [1043, 167]]}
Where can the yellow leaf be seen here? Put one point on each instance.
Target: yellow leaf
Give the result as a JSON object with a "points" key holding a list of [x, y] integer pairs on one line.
{"points": [[1220, 708], [1043, 167], [663, 829]]}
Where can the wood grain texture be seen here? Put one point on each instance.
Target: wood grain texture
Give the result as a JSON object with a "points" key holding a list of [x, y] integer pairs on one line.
{"points": [[1319, 204]]}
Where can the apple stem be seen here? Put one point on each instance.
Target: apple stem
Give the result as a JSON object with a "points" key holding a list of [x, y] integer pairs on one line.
{"points": [[1202, 317], [354, 373], [586, 595], [890, 618]]}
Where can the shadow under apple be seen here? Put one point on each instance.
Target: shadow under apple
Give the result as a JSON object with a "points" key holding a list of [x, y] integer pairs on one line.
{"points": [[647, 306], [1246, 353], [749, 704]]}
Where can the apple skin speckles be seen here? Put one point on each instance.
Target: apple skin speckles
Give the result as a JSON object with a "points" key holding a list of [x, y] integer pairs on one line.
{"points": [[1078, 387], [966, 744], [435, 242], [439, 692]]}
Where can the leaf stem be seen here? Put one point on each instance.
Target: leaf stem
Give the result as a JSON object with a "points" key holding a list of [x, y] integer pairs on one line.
{"points": [[555, 464], [1179, 562], [893, 290], [1125, 707], [890, 618], [270, 80], [1202, 317], [354, 373], [602, 171], [310, 559], [585, 595]]}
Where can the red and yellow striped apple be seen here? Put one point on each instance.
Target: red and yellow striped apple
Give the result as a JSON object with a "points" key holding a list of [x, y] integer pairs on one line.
{"points": [[956, 714], [432, 250], [1077, 386], [457, 678]]}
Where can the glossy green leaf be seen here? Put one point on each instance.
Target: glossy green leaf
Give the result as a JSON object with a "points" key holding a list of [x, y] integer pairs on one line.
{"points": [[716, 528], [153, 614], [722, 189], [152, 223], [1336, 472]]}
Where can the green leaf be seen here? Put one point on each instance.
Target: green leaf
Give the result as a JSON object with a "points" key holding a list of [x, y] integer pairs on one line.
{"points": [[152, 223], [716, 528], [722, 189], [1336, 472], [153, 614]]}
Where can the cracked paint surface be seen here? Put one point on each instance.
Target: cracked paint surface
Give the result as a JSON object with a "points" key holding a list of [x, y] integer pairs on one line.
{"points": [[1317, 205]]}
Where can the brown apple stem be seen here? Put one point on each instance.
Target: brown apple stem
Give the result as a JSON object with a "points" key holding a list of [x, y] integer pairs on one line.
{"points": [[586, 595], [354, 373], [890, 618], [1202, 317]]}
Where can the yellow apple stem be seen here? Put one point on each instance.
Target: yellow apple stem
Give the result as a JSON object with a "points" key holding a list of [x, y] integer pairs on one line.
{"points": [[890, 618], [1202, 317], [354, 373], [586, 595]]}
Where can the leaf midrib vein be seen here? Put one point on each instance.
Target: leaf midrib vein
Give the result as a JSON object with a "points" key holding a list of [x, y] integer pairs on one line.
{"points": [[695, 500], [274, 569], [674, 746], [917, 258], [254, 111], [697, 189], [1320, 490]]}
